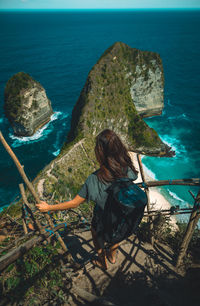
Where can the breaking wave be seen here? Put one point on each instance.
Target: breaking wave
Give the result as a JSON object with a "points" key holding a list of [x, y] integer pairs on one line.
{"points": [[175, 197], [149, 172], [41, 134], [182, 116], [175, 144]]}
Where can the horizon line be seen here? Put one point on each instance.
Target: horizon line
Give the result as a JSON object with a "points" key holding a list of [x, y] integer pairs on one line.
{"points": [[105, 9]]}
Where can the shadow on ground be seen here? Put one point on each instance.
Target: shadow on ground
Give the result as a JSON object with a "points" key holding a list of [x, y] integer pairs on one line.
{"points": [[143, 275]]}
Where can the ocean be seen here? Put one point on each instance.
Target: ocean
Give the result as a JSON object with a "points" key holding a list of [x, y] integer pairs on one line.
{"points": [[58, 49]]}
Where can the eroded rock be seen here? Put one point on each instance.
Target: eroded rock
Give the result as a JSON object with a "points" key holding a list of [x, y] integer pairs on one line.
{"points": [[27, 106], [124, 85]]}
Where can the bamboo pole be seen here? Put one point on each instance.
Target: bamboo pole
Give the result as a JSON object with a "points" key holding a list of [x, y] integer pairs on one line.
{"points": [[35, 221], [24, 226], [91, 298], [148, 200], [191, 193], [39, 226], [167, 213], [30, 186], [170, 212], [194, 217], [182, 182], [14, 254]]}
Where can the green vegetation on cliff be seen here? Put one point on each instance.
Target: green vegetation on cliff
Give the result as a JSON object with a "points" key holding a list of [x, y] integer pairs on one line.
{"points": [[14, 86], [105, 101], [26, 105]]}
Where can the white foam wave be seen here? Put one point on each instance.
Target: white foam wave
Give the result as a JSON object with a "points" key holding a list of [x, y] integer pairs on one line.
{"points": [[55, 116], [149, 172], [56, 153], [182, 116], [42, 132], [175, 144], [168, 102], [174, 196]]}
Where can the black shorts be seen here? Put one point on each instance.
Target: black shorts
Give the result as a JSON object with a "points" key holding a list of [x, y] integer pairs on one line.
{"points": [[97, 225]]}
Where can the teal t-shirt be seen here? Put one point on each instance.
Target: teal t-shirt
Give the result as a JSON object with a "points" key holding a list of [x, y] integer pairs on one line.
{"points": [[95, 190]]}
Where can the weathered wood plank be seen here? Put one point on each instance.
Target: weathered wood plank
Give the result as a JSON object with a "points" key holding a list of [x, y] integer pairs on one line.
{"points": [[185, 182], [14, 254]]}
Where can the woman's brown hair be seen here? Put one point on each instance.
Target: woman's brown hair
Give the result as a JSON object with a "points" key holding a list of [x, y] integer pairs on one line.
{"points": [[112, 156]]}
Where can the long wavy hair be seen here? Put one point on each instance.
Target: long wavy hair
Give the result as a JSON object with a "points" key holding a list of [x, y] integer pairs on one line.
{"points": [[112, 156]]}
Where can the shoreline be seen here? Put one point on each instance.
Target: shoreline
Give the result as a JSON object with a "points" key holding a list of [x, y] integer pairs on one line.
{"points": [[157, 200]]}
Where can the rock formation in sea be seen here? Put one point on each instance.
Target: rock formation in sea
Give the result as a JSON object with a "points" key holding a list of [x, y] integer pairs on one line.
{"points": [[26, 106], [106, 101], [124, 85]]}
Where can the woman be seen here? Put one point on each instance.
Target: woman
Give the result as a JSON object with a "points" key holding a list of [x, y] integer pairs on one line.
{"points": [[114, 162]]}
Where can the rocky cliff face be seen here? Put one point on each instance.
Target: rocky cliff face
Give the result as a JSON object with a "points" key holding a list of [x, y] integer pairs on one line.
{"points": [[27, 106], [124, 84], [146, 85]]}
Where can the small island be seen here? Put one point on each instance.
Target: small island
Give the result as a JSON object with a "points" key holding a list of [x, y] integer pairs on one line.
{"points": [[26, 106]]}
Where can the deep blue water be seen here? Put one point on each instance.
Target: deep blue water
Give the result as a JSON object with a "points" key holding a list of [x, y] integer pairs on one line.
{"points": [[58, 49]]}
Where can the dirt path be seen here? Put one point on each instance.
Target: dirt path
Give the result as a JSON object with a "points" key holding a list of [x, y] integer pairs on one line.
{"points": [[142, 276], [40, 185]]}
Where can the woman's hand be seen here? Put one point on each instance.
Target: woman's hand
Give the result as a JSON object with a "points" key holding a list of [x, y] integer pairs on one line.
{"points": [[43, 206]]}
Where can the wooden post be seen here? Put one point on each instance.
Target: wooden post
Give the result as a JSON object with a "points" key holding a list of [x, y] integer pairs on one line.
{"points": [[91, 298], [194, 217], [24, 226], [148, 200], [182, 182], [30, 186], [39, 226]]}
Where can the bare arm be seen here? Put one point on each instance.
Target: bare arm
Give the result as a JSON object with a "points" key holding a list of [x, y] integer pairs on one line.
{"points": [[45, 207]]}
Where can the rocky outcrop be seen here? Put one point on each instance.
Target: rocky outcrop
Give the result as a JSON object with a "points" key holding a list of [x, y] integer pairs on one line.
{"points": [[147, 83], [124, 84], [27, 106]]}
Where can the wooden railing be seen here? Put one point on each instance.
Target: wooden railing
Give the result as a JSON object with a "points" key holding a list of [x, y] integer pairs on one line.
{"points": [[12, 255]]}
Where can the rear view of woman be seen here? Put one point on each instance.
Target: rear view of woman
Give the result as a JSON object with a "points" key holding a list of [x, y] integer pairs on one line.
{"points": [[114, 162]]}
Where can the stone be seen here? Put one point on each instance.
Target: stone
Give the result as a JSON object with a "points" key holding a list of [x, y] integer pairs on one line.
{"points": [[26, 106], [146, 88]]}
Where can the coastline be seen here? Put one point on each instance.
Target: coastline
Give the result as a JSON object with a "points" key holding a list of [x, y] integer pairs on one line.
{"points": [[157, 200]]}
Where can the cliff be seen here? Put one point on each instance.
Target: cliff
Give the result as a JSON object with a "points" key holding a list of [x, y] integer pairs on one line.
{"points": [[26, 106], [124, 84], [105, 102]]}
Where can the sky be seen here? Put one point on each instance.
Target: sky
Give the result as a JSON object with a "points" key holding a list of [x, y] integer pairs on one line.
{"points": [[97, 4]]}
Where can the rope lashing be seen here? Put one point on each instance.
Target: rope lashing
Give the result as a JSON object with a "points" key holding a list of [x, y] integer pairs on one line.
{"points": [[144, 185], [52, 232], [174, 209], [84, 221], [65, 224], [25, 211], [49, 231]]}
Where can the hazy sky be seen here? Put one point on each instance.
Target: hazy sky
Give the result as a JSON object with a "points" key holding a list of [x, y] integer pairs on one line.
{"points": [[74, 4]]}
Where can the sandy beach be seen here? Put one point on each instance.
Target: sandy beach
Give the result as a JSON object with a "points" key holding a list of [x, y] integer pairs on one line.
{"points": [[157, 200]]}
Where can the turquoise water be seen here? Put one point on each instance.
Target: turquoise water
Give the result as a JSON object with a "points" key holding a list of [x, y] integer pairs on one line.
{"points": [[58, 49]]}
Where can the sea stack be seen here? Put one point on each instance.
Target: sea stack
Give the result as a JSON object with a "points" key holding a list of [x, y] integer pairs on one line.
{"points": [[26, 106], [125, 85]]}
